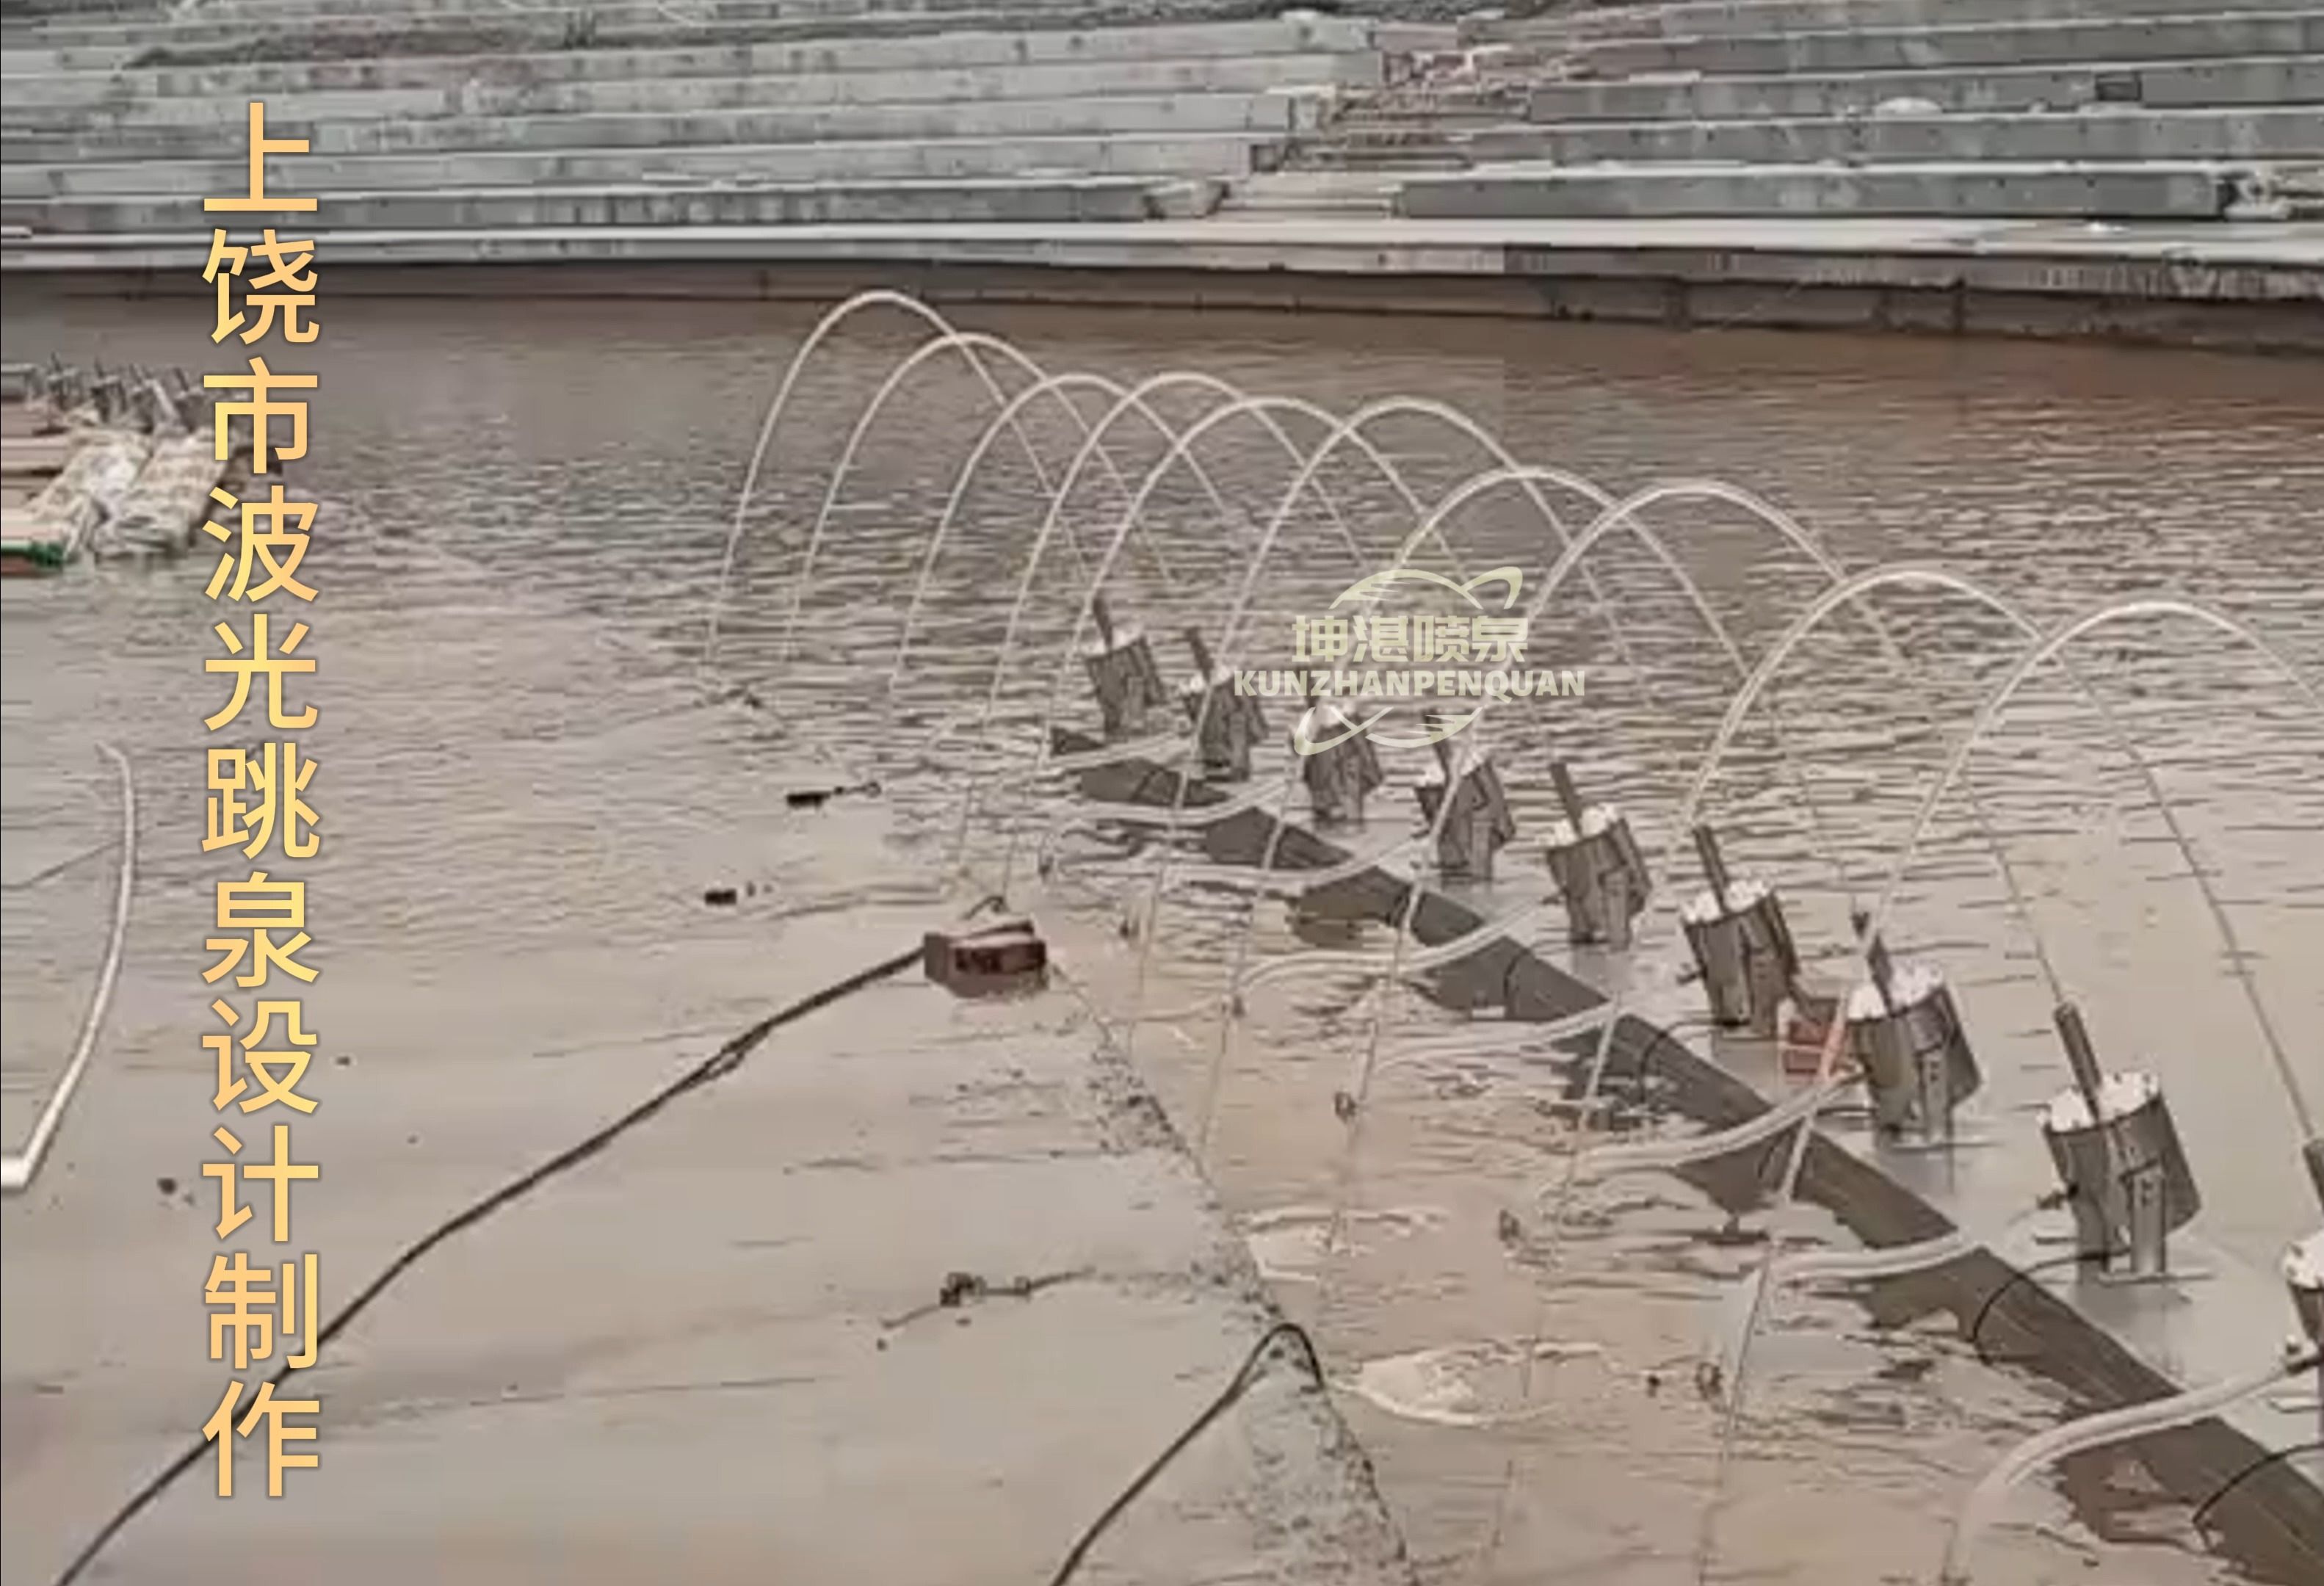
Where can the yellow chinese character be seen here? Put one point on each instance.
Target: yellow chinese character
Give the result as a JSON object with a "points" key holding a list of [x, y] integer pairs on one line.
{"points": [[261, 382], [271, 1410], [260, 146], [232, 1212], [274, 667], [262, 907], [272, 1086], [292, 267], [244, 1306], [233, 1289], [261, 547], [275, 777]]}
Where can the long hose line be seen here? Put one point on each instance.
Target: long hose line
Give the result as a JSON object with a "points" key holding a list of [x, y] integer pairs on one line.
{"points": [[710, 1069]]}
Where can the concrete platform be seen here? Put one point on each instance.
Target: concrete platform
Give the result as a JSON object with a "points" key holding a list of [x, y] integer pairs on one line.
{"points": [[2284, 79], [1992, 44], [1222, 154], [1072, 199], [70, 112], [1008, 49], [219, 31], [1275, 113], [1706, 19], [2153, 192], [2104, 132], [2255, 287]]}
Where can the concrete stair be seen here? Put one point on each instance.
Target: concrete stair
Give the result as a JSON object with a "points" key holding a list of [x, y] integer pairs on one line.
{"points": [[2088, 109], [2099, 133], [2284, 79], [1958, 45], [1025, 200], [721, 125], [2153, 190]]}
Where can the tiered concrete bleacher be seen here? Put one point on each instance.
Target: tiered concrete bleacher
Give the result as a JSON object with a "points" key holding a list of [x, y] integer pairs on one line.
{"points": [[434, 114], [2100, 109]]}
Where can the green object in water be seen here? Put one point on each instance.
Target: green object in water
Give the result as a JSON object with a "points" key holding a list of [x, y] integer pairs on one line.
{"points": [[45, 555]]}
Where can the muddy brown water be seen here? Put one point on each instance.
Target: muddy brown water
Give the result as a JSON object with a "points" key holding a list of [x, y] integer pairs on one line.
{"points": [[525, 506]]}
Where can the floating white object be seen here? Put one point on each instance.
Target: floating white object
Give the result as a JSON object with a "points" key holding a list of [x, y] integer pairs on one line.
{"points": [[1595, 819], [1433, 774], [1192, 684], [1123, 638], [2119, 1096], [1703, 906], [1912, 983]]}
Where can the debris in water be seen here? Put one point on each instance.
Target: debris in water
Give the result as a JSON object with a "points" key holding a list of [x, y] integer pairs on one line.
{"points": [[959, 1289], [1000, 960], [169, 1187], [815, 797], [1344, 1105]]}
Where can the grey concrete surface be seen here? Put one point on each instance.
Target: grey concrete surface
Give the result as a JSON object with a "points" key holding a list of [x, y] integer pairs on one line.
{"points": [[1011, 49], [2126, 132], [198, 39], [67, 111], [1034, 201], [2283, 79], [1729, 18], [2246, 287], [1171, 153], [685, 1360], [213, 27], [2151, 191], [1989, 43], [1270, 113]]}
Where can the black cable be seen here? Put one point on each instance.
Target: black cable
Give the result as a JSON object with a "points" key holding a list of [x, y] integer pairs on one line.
{"points": [[1976, 1323], [716, 1066], [58, 869], [2253, 1469], [1235, 1390]]}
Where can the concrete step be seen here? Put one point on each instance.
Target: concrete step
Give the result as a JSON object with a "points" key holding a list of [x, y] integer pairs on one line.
{"points": [[1021, 201], [1117, 154], [2283, 79], [1012, 49], [2153, 192], [1729, 18], [682, 96], [1314, 192], [2104, 132], [208, 34], [213, 20], [1985, 44], [1275, 114]]}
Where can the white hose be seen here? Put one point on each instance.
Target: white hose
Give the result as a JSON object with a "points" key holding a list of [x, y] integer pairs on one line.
{"points": [[1702, 1148], [2093, 1431], [17, 1171]]}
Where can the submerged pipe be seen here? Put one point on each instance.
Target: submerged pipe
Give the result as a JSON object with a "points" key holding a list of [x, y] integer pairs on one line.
{"points": [[1977, 1512]]}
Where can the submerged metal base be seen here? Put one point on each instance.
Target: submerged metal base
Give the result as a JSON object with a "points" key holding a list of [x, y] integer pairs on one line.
{"points": [[1917, 1067], [1602, 878], [1478, 824], [2128, 1181], [1232, 726], [1129, 686], [1747, 962], [1338, 779]]}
